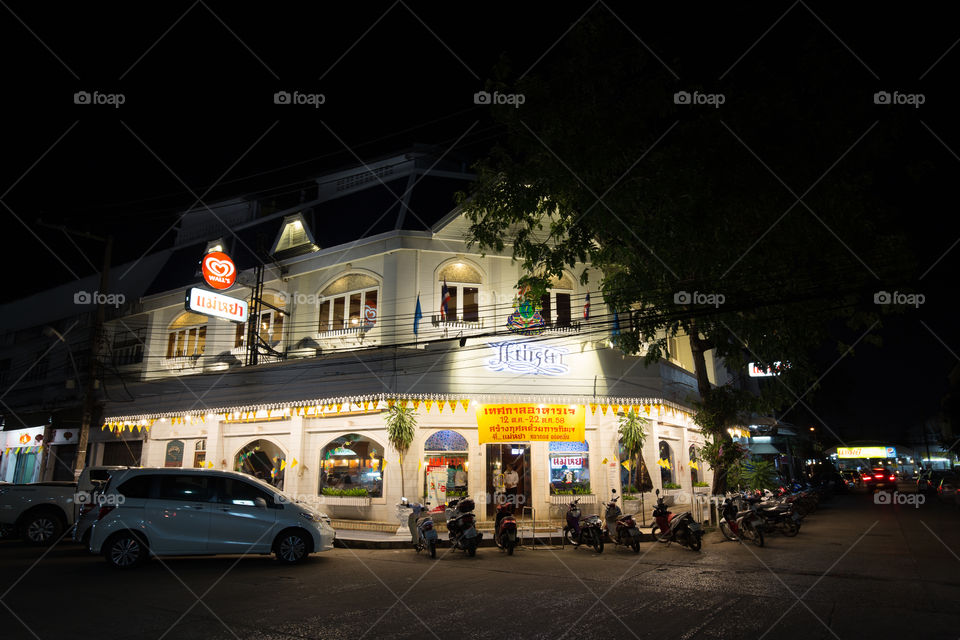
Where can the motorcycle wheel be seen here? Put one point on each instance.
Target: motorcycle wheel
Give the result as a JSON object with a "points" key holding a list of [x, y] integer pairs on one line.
{"points": [[658, 535], [418, 547], [727, 532], [571, 538], [432, 546], [509, 548], [758, 539], [635, 546], [598, 543], [694, 541], [790, 529], [472, 550]]}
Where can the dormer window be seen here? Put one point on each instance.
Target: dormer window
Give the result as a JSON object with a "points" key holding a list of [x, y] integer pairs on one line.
{"points": [[214, 245], [294, 234]]}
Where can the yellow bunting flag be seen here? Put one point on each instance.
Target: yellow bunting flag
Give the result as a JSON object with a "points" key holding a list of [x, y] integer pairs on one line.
{"points": [[604, 461], [416, 404], [465, 403], [419, 464], [453, 406], [294, 463], [283, 465], [636, 409], [339, 406], [627, 464], [603, 408], [390, 403], [663, 462], [209, 465], [429, 404], [593, 407]]}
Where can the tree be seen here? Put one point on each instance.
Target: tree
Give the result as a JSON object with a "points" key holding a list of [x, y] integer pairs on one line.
{"points": [[754, 231], [401, 424], [632, 430]]}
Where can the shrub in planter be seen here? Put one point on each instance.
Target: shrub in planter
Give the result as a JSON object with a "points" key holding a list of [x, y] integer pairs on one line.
{"points": [[358, 492], [670, 485]]}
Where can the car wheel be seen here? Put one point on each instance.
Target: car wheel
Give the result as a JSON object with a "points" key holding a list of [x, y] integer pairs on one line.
{"points": [[291, 547], [124, 551], [42, 529]]}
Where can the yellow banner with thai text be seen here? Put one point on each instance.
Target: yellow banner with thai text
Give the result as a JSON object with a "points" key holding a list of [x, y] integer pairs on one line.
{"points": [[522, 422]]}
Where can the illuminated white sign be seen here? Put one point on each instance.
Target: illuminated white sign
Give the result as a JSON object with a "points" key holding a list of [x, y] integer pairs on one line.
{"points": [[533, 359], [570, 462], [755, 371], [217, 305]]}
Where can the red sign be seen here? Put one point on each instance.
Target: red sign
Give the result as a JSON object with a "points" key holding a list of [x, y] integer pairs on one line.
{"points": [[218, 270]]}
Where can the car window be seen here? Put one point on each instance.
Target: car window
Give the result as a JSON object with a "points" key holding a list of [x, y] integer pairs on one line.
{"points": [[99, 474], [136, 487], [240, 493], [194, 488]]}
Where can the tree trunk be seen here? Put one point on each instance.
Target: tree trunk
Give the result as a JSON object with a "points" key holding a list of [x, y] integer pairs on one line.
{"points": [[698, 347]]}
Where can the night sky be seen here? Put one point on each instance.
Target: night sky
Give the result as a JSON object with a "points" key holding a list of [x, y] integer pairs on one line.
{"points": [[198, 82]]}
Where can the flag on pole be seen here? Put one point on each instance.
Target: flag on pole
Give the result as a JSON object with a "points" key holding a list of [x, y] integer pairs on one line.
{"points": [[615, 331], [417, 315], [586, 308], [444, 299]]}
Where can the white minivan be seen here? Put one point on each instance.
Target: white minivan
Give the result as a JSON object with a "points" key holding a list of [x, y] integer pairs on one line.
{"points": [[167, 512]]}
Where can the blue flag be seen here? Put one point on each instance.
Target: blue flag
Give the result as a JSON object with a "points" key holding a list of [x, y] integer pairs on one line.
{"points": [[417, 315], [616, 324]]}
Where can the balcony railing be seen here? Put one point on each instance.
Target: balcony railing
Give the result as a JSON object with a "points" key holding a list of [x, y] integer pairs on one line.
{"points": [[450, 323]]}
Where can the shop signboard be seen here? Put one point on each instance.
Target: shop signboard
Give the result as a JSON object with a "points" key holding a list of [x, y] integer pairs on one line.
{"points": [[218, 270], [174, 454], [756, 371], [498, 423], [570, 462], [210, 303], [516, 356], [866, 452], [437, 485]]}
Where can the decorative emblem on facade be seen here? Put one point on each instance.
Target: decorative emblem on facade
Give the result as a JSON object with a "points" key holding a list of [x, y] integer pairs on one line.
{"points": [[526, 319]]}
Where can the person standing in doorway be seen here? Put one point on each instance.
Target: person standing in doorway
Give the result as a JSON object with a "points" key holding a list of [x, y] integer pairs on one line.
{"points": [[511, 480]]}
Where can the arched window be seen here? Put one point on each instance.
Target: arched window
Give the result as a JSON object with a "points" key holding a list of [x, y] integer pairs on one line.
{"points": [[187, 335], [555, 303], [446, 463], [349, 302], [694, 464], [569, 468], [634, 476], [666, 465], [462, 284], [262, 459], [271, 322], [351, 465]]}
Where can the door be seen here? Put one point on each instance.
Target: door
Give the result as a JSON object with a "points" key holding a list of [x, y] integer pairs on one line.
{"points": [[179, 515], [243, 518], [508, 476]]}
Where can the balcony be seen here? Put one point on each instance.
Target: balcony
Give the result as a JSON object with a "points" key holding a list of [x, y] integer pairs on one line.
{"points": [[457, 324]]}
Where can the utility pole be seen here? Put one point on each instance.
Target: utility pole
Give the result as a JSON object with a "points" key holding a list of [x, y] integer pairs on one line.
{"points": [[90, 390]]}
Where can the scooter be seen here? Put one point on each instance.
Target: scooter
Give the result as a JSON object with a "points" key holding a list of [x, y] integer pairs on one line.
{"points": [[421, 528], [505, 528], [587, 531], [461, 526], [621, 529], [675, 528], [739, 525]]}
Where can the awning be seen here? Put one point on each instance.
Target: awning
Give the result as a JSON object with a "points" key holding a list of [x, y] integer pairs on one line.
{"points": [[764, 449]]}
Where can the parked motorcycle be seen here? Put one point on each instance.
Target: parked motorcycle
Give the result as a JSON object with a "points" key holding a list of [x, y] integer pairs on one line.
{"points": [[681, 528], [621, 529], [739, 525], [776, 515], [461, 526], [587, 531], [505, 528], [421, 528]]}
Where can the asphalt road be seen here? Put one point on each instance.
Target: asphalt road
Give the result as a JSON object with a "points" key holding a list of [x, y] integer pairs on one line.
{"points": [[857, 569]]}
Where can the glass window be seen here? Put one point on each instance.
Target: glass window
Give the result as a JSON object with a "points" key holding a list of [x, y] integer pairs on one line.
{"points": [[239, 335], [262, 459], [563, 309], [171, 344], [545, 307], [569, 468], [694, 464], [370, 307], [187, 340], [192, 488], [137, 487], [463, 285], [445, 465], [634, 476], [324, 316], [350, 302], [452, 307], [355, 309], [243, 494], [351, 465], [665, 462]]}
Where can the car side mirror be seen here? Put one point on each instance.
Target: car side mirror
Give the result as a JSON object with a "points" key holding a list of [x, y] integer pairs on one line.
{"points": [[260, 502]]}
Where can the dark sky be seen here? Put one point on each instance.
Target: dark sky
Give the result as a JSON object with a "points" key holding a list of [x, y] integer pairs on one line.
{"points": [[198, 81]]}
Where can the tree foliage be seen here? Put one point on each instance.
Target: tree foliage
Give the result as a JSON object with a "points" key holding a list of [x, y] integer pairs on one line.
{"points": [[401, 424]]}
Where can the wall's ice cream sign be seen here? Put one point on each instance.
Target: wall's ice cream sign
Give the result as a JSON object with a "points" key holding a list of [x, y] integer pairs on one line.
{"points": [[218, 270], [210, 303]]}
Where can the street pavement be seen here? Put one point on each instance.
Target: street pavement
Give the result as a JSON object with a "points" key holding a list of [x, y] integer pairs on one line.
{"points": [[857, 569]]}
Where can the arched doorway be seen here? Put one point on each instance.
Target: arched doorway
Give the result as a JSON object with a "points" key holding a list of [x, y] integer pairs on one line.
{"points": [[262, 459], [665, 462]]}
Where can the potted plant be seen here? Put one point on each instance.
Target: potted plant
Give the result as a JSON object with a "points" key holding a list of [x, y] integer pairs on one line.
{"points": [[701, 487], [401, 424], [354, 497], [633, 433]]}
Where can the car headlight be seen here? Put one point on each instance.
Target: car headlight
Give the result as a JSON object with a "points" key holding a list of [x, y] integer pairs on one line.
{"points": [[315, 517]]}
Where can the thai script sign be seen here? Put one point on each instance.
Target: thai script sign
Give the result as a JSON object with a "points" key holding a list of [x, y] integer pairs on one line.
{"points": [[217, 305], [866, 452], [523, 422], [533, 359]]}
